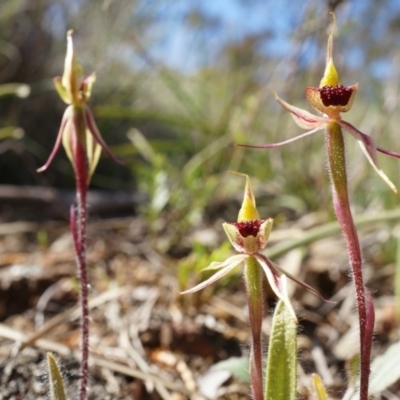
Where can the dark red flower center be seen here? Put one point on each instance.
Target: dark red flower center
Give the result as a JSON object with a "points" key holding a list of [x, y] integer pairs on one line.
{"points": [[249, 228], [338, 95]]}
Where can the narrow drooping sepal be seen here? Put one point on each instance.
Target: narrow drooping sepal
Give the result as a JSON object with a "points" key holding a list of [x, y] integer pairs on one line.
{"points": [[64, 121], [368, 145], [273, 267], [278, 283], [92, 127], [224, 268], [388, 152], [78, 127], [302, 118]]}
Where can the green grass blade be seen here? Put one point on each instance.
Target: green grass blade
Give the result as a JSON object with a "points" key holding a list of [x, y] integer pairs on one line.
{"points": [[281, 373]]}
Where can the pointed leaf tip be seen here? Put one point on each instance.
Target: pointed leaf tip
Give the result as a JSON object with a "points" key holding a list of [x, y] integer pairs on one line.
{"points": [[56, 384]]}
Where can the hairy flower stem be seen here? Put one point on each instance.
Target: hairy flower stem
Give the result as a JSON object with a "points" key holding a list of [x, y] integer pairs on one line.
{"points": [[78, 230], [254, 278], [337, 166]]}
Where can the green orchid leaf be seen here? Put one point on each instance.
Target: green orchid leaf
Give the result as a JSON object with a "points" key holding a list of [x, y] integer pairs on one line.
{"points": [[281, 373], [56, 384]]}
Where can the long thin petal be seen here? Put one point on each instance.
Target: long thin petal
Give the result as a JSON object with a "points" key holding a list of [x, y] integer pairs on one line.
{"points": [[226, 266], [93, 154], [272, 145], [388, 152], [61, 90], [303, 118], [65, 118], [221, 264], [91, 124], [274, 267], [278, 283], [367, 144]]}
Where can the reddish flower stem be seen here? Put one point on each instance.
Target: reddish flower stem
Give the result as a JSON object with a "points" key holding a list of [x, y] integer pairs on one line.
{"points": [[337, 167], [254, 278], [79, 236]]}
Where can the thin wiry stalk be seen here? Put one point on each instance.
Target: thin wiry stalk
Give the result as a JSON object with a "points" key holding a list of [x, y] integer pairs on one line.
{"points": [[78, 229], [254, 277], [337, 167]]}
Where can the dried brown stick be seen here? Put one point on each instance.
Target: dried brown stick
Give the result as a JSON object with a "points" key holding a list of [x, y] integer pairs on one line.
{"points": [[70, 315]]}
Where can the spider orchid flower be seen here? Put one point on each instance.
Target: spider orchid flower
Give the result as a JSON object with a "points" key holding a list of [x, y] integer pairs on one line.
{"points": [[78, 131], [331, 99], [83, 144], [249, 236]]}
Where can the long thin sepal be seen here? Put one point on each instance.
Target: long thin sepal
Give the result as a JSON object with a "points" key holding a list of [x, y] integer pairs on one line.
{"points": [[388, 152], [303, 118], [293, 278], [57, 145], [226, 266], [369, 148], [91, 124], [273, 145], [277, 283]]}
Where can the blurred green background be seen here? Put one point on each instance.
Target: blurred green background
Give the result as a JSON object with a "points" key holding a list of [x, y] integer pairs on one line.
{"points": [[180, 82]]}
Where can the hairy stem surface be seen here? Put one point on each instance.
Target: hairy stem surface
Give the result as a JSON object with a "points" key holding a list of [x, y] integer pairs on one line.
{"points": [[254, 278], [341, 204], [78, 229]]}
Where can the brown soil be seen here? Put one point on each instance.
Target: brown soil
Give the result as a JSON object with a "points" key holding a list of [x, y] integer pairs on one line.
{"points": [[147, 341]]}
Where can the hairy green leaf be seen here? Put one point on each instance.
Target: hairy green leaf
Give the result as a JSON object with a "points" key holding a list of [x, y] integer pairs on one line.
{"points": [[55, 380], [281, 373]]}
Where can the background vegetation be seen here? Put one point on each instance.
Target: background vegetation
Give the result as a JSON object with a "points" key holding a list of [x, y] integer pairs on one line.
{"points": [[178, 86]]}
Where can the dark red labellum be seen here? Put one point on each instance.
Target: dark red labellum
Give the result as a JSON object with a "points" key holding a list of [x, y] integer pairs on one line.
{"points": [[248, 228], [338, 95]]}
